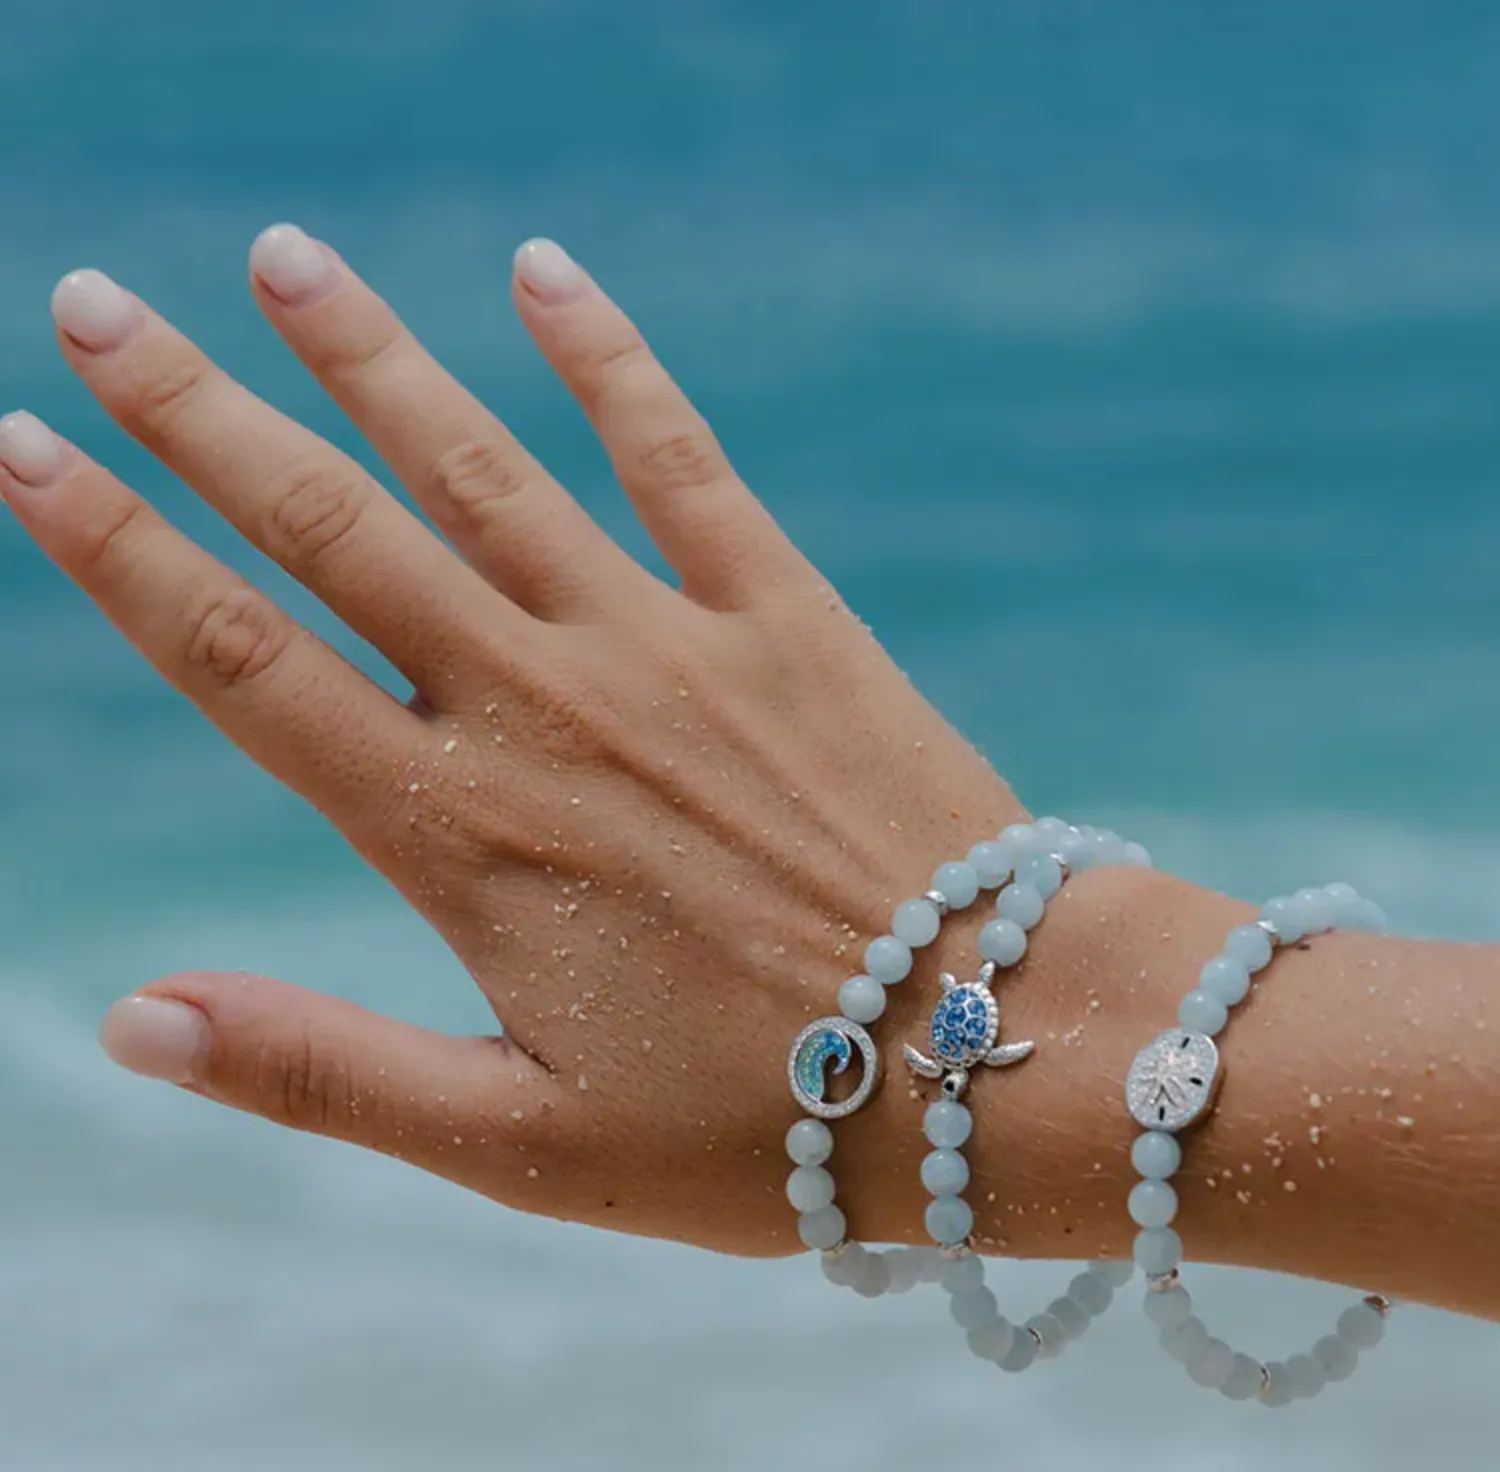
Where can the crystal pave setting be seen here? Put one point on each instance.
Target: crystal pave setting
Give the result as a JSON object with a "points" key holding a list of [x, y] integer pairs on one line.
{"points": [[1173, 1081], [831, 1039], [964, 1034]]}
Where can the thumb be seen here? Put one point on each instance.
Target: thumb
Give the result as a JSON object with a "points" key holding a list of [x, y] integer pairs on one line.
{"points": [[318, 1063]]}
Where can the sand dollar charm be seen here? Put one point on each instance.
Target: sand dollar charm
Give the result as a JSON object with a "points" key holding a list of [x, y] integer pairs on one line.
{"points": [[831, 1040], [1173, 1081]]}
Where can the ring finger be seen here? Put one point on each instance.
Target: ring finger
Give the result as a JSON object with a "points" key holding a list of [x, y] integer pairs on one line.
{"points": [[288, 700]]}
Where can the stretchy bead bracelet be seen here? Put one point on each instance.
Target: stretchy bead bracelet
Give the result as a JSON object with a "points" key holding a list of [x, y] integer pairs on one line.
{"points": [[1173, 1084], [1038, 855], [963, 1035]]}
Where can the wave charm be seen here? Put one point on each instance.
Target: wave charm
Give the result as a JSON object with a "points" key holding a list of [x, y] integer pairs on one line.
{"points": [[830, 1040]]}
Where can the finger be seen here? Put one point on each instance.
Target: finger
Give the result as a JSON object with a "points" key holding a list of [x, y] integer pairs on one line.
{"points": [[721, 540], [327, 1066], [493, 501], [291, 493], [289, 701]]}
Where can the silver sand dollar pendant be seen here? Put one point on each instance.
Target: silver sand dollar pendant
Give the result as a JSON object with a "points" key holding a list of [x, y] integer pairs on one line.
{"points": [[831, 1040], [1174, 1080]]}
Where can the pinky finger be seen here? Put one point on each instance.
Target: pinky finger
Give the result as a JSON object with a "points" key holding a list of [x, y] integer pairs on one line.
{"points": [[281, 695]]}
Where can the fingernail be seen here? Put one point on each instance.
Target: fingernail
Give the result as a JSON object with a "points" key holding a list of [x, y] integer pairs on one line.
{"points": [[157, 1038], [93, 311], [548, 272], [293, 266], [29, 450]]}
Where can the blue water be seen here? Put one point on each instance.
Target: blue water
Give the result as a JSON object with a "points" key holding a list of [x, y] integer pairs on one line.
{"points": [[1133, 371]]}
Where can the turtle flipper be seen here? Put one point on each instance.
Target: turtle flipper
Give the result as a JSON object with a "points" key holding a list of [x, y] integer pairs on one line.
{"points": [[920, 1064], [947, 980], [1008, 1053]]}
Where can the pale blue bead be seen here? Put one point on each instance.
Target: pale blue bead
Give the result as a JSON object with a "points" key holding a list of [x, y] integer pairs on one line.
{"points": [[861, 999], [1186, 1341], [993, 1342], [957, 883], [902, 1271], [1070, 1314], [1116, 1271], [1361, 1326], [974, 1310], [1318, 909], [1201, 1012], [1225, 978], [1345, 901], [1050, 832], [809, 1188], [809, 1142], [888, 960], [1157, 1250], [963, 1274], [1050, 1332], [1019, 841], [1020, 1355], [1277, 1390], [1076, 850], [1307, 1374], [947, 1124], [1091, 1293], [1152, 1204], [1369, 916], [823, 1229], [1002, 941], [1250, 946], [1109, 848], [1043, 873], [949, 1220], [1287, 916], [991, 861], [1214, 1366], [1168, 1307], [843, 1269], [916, 922], [1338, 1356], [945, 1173], [1244, 1380], [1156, 1155], [1021, 903], [876, 1278], [1137, 855]]}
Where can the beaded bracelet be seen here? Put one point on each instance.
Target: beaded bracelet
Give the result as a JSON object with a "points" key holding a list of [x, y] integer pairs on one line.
{"points": [[1038, 855], [1173, 1083]]}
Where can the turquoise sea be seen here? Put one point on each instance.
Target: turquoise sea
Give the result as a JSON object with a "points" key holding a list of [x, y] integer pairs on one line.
{"points": [[1133, 369]]}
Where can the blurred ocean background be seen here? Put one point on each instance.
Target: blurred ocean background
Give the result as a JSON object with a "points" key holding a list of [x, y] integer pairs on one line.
{"points": [[1133, 369]]}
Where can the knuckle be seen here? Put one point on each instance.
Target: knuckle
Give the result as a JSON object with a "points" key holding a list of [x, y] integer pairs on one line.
{"points": [[105, 541], [617, 363], [681, 462], [308, 1085], [234, 637], [313, 509], [161, 400], [473, 477]]}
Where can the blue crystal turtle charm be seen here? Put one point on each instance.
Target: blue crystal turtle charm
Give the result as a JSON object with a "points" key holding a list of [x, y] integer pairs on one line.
{"points": [[963, 1034]]}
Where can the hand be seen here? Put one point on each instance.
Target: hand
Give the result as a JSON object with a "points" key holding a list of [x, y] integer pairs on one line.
{"points": [[657, 825]]}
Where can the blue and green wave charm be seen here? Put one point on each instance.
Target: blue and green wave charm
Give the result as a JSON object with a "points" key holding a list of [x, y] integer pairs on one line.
{"points": [[812, 1061]]}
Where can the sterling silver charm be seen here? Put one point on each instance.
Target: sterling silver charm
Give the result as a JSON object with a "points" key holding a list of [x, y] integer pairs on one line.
{"points": [[964, 1033], [1173, 1081], [830, 1040]]}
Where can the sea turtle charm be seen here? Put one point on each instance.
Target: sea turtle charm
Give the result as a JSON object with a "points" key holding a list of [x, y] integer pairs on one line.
{"points": [[964, 1033]]}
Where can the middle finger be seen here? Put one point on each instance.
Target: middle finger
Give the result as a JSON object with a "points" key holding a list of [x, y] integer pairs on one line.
{"points": [[297, 498]]}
